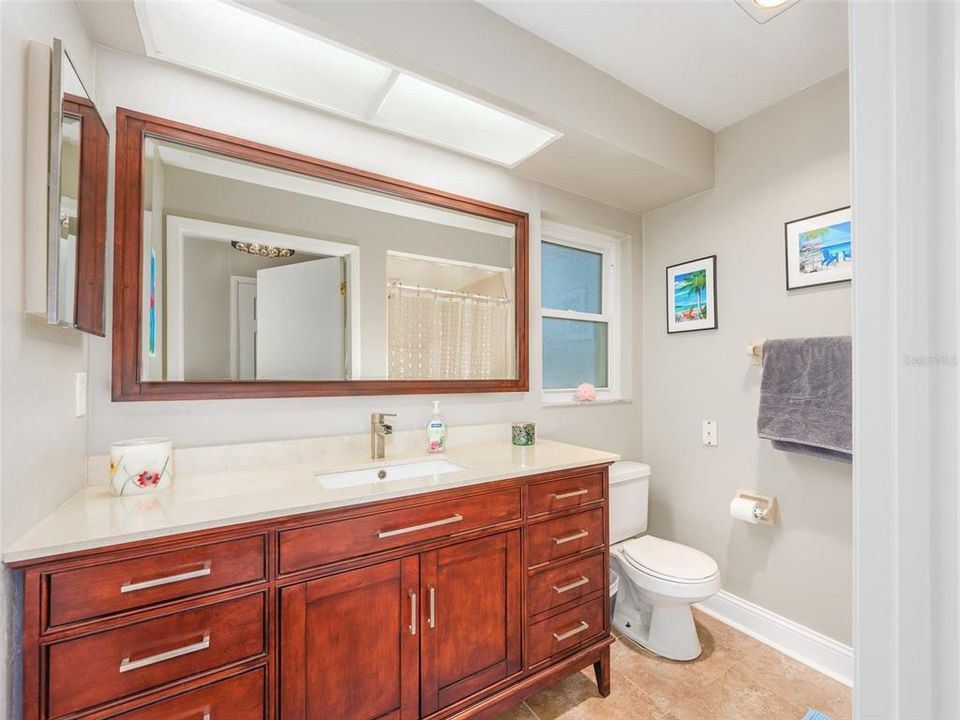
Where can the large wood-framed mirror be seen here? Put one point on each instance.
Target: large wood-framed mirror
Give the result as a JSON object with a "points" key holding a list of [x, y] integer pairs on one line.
{"points": [[245, 271]]}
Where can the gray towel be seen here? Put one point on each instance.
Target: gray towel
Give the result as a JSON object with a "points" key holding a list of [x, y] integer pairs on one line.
{"points": [[806, 397]]}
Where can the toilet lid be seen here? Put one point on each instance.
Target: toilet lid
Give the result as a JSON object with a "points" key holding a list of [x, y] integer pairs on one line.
{"points": [[669, 560]]}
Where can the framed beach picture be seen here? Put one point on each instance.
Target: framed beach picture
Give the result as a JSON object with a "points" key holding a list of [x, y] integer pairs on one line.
{"points": [[692, 295], [819, 249]]}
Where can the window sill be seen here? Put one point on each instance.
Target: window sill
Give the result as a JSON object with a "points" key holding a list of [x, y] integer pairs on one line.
{"points": [[547, 403]]}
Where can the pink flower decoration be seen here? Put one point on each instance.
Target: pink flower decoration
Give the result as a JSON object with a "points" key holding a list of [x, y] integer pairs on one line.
{"points": [[147, 479], [585, 392]]}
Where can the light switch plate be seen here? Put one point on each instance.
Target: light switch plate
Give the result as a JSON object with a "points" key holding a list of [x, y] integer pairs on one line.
{"points": [[710, 433], [80, 395]]}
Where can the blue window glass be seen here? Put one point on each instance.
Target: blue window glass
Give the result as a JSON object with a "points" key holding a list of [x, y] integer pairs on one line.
{"points": [[574, 352], [572, 279]]}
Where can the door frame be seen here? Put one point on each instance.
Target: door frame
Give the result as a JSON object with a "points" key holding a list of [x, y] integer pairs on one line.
{"points": [[905, 162]]}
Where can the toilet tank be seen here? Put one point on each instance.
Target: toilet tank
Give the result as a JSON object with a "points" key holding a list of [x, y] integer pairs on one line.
{"points": [[629, 493]]}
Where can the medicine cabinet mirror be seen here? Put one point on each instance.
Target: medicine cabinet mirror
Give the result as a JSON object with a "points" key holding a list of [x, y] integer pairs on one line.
{"points": [[76, 201], [248, 271]]}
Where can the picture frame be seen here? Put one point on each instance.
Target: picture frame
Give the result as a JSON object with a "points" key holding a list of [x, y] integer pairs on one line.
{"points": [[818, 249], [692, 295]]}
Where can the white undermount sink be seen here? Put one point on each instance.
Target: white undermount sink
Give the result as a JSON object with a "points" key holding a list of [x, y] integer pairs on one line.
{"points": [[384, 473]]}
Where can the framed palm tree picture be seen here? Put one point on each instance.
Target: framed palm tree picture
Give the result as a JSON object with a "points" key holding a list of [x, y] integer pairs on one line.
{"points": [[692, 295], [819, 249]]}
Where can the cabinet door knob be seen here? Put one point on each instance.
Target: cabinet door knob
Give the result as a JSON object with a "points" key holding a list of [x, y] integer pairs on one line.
{"points": [[413, 612], [432, 619]]}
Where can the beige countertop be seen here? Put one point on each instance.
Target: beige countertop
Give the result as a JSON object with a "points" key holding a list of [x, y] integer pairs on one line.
{"points": [[94, 517]]}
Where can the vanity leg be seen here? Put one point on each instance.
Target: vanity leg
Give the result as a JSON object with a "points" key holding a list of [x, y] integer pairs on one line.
{"points": [[602, 670]]}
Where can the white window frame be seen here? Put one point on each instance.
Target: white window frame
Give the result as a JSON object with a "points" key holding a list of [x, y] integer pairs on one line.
{"points": [[609, 247]]}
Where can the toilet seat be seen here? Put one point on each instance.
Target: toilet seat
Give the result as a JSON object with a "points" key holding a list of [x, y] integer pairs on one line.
{"points": [[669, 561]]}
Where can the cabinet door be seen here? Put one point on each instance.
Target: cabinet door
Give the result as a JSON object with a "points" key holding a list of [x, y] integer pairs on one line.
{"points": [[470, 618], [349, 645]]}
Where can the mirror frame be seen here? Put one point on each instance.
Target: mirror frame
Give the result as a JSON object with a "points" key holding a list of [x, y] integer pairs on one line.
{"points": [[132, 130], [89, 314]]}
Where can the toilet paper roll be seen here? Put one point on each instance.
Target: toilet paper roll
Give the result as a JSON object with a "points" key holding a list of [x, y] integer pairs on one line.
{"points": [[744, 509]]}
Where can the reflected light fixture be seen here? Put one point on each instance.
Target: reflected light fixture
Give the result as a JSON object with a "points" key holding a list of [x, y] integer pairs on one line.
{"points": [[765, 10], [267, 251]]}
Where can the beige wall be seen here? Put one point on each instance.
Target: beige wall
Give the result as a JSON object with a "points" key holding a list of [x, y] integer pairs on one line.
{"points": [[788, 161], [42, 445]]}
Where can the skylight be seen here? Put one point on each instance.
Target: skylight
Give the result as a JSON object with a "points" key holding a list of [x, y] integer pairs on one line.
{"points": [[416, 107], [240, 45]]}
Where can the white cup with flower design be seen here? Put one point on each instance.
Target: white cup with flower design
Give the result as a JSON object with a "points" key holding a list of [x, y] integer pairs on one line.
{"points": [[141, 465]]}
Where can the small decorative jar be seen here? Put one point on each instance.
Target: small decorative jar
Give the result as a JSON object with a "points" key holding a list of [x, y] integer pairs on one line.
{"points": [[524, 434], [141, 465]]}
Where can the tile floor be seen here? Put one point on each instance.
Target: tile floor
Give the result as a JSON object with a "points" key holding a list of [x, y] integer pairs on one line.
{"points": [[736, 678]]}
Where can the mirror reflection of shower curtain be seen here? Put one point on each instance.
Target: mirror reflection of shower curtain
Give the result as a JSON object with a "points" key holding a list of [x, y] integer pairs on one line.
{"points": [[446, 335]]}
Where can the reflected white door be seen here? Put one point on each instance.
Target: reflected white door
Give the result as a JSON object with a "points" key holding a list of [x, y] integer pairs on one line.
{"points": [[300, 321]]}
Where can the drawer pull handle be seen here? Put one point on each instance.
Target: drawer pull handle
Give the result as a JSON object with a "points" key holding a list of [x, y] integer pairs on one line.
{"points": [[560, 637], [570, 538], [413, 612], [129, 587], [126, 665], [455, 518], [560, 589], [432, 618], [572, 493]]}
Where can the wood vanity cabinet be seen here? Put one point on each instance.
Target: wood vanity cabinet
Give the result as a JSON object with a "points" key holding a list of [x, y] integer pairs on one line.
{"points": [[446, 605]]}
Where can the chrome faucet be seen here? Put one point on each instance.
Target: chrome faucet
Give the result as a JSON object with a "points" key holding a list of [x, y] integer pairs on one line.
{"points": [[378, 434]]}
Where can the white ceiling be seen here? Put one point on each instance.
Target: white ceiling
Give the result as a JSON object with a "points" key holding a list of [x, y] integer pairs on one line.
{"points": [[618, 146], [705, 59]]}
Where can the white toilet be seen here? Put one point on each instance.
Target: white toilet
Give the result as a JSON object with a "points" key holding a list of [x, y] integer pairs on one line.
{"points": [[659, 579]]}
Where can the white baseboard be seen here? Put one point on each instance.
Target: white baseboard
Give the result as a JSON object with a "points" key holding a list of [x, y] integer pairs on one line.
{"points": [[817, 651]]}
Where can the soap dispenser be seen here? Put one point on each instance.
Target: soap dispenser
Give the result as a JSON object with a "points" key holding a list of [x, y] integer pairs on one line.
{"points": [[436, 431]]}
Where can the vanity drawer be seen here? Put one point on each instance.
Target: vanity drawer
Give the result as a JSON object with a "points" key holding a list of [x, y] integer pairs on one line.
{"points": [[99, 590], [564, 536], [237, 698], [568, 629], [308, 547], [561, 585], [95, 669], [565, 493]]}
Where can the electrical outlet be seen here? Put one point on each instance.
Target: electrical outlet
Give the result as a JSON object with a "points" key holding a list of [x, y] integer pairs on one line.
{"points": [[80, 395], [710, 433]]}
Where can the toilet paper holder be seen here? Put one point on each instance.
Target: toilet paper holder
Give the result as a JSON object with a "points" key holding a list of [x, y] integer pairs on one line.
{"points": [[767, 511]]}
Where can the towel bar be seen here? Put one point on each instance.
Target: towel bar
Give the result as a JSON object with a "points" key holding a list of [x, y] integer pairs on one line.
{"points": [[755, 351]]}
